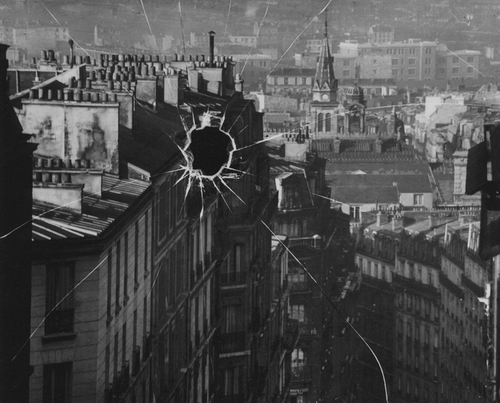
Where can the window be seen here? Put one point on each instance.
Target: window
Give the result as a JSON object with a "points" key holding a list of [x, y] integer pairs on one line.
{"points": [[298, 360], [136, 255], [297, 312], [125, 267], [455, 60], [110, 274], [441, 70], [418, 199], [146, 243], [395, 72], [346, 73], [411, 72], [232, 317], [428, 50], [470, 59], [455, 70], [470, 69], [411, 61], [428, 60], [117, 276], [59, 307], [57, 383], [347, 63], [427, 71], [395, 62], [320, 122], [328, 123], [233, 381]]}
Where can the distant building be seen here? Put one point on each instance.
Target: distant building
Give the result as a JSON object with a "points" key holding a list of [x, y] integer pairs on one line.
{"points": [[430, 287], [380, 34], [290, 80], [410, 60], [457, 65]]}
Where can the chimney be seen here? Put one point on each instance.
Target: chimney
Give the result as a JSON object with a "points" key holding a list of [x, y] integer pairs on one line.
{"points": [[172, 87], [379, 219], [336, 146], [212, 47], [378, 146], [238, 83], [194, 78], [71, 53]]}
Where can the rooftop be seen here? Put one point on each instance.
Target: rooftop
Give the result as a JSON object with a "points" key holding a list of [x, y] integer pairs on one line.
{"points": [[98, 213]]}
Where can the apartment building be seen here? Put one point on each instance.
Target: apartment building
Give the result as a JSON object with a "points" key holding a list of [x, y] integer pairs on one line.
{"points": [[139, 285], [437, 290], [314, 233], [410, 60]]}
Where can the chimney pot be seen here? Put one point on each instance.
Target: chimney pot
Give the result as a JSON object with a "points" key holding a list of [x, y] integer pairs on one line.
{"points": [[78, 96], [76, 164], [40, 93], [88, 84], [59, 95]]}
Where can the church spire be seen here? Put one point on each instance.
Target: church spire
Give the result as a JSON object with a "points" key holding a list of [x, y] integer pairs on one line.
{"points": [[324, 80]]}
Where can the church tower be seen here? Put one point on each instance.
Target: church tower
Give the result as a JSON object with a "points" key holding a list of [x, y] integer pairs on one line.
{"points": [[324, 107], [325, 84]]}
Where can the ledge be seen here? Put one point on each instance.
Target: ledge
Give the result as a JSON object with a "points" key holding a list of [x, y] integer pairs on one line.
{"points": [[51, 338]]}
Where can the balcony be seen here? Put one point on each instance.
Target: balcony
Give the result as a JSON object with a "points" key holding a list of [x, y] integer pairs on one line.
{"points": [[301, 374], [233, 278], [301, 286], [306, 241], [231, 342], [60, 321]]}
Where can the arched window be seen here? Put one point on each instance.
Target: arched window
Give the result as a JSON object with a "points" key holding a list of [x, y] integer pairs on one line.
{"points": [[328, 123], [320, 122]]}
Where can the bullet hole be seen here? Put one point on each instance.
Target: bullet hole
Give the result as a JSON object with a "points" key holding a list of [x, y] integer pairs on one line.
{"points": [[210, 148]]}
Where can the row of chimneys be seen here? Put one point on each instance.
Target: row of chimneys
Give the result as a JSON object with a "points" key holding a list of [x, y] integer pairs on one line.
{"points": [[58, 163], [70, 94], [108, 60], [51, 177]]}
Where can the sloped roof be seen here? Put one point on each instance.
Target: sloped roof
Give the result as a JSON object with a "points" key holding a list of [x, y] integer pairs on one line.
{"points": [[365, 194], [403, 183], [98, 213]]}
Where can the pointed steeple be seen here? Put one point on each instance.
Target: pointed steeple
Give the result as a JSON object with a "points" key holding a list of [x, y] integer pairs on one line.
{"points": [[325, 84]]}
